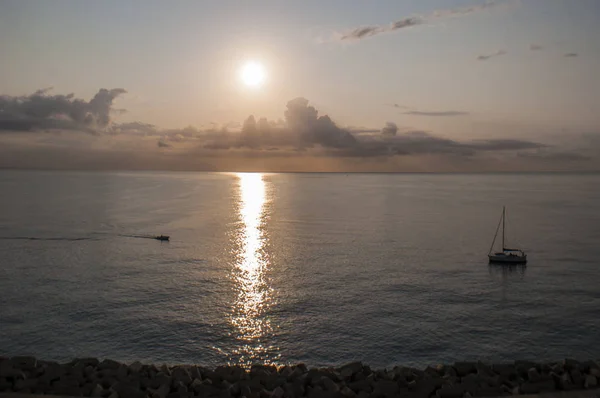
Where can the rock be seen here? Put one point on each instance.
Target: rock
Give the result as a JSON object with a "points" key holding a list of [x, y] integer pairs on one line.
{"points": [[245, 390], [160, 379], [317, 392], [536, 388], [25, 384], [455, 391], [86, 389], [360, 385], [275, 381], [296, 373], [314, 376], [504, 369], [5, 385], [387, 387], [196, 383], [424, 388], [122, 372], [195, 373], [329, 384], [165, 369], [89, 371], [484, 370], [431, 371], [587, 365], [23, 362], [571, 364], [488, 392], [97, 391], [474, 379], [181, 374], [563, 381], [277, 393], [347, 392], [11, 373], [179, 395], [93, 362], [558, 368], [128, 390], [577, 377], [351, 368], [294, 389], [108, 364], [64, 388], [136, 367], [595, 372], [464, 368], [160, 392], [533, 375], [180, 387], [590, 382]]}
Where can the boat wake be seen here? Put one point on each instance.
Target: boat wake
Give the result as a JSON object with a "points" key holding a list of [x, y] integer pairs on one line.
{"points": [[159, 237], [36, 238]]}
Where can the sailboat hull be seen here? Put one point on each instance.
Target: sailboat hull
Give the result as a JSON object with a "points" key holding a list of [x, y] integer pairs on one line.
{"points": [[509, 259]]}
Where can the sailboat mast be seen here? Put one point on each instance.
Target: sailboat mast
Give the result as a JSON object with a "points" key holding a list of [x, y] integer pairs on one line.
{"points": [[503, 224]]}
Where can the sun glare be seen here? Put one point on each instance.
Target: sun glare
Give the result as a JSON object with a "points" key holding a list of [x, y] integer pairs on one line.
{"points": [[253, 74]]}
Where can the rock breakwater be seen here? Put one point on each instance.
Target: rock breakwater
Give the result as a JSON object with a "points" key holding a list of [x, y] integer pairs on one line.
{"points": [[111, 379]]}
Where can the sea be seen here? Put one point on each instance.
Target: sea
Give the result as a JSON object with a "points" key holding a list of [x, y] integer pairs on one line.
{"points": [[323, 269]]}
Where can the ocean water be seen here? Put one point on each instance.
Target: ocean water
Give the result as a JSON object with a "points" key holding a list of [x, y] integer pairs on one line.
{"points": [[283, 268]]}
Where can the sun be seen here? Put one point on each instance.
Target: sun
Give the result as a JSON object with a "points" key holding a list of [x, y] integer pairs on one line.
{"points": [[253, 74]]}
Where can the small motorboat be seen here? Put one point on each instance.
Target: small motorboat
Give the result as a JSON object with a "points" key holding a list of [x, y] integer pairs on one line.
{"points": [[506, 256], [162, 237]]}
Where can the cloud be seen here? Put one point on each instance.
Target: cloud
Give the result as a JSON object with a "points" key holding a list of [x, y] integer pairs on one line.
{"points": [[504, 145], [488, 56], [535, 47], [555, 156], [462, 11], [390, 129], [302, 133], [366, 31], [440, 113], [408, 22], [571, 55], [40, 111]]}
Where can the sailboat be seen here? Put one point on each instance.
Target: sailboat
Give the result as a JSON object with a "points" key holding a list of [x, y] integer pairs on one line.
{"points": [[506, 256]]}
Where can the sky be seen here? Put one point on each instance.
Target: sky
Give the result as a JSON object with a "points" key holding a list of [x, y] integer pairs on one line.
{"points": [[350, 85]]}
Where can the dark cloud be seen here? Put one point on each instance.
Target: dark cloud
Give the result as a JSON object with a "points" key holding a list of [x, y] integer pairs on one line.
{"points": [[302, 133], [40, 111], [390, 129], [555, 156], [503, 145], [368, 31], [440, 113], [535, 47], [571, 55], [304, 130], [312, 129], [488, 56], [362, 130], [134, 128]]}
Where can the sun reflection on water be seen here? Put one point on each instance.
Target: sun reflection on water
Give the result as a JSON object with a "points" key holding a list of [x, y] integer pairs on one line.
{"points": [[249, 318]]}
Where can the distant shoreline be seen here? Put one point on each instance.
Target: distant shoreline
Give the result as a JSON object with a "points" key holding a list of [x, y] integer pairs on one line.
{"points": [[547, 172], [108, 378]]}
